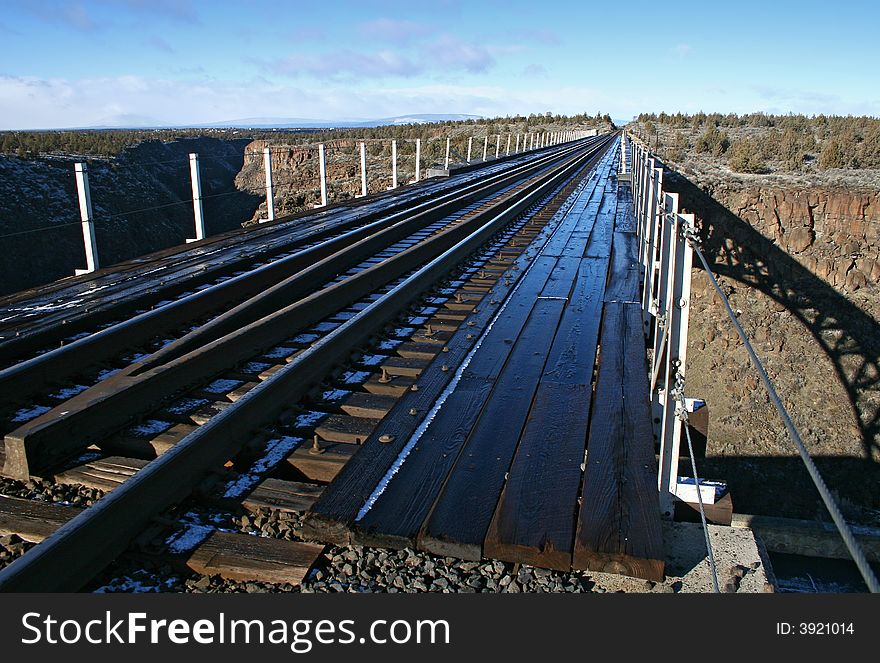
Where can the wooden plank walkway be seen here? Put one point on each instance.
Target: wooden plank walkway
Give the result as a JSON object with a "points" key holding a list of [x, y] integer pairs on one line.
{"points": [[521, 460]]}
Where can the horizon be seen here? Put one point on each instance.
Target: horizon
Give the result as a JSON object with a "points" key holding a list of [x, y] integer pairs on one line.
{"points": [[191, 64]]}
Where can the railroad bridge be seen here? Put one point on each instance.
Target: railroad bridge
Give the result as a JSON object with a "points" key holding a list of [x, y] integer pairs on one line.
{"points": [[485, 364]]}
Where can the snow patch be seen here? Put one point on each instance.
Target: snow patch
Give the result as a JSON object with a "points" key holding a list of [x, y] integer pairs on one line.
{"points": [[28, 413], [68, 392], [309, 419], [276, 451]]}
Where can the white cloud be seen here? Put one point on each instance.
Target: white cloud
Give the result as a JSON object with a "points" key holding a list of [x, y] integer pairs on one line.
{"points": [[346, 62], [34, 103], [441, 55]]}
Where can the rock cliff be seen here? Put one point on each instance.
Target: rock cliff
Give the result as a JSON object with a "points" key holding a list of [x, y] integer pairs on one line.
{"points": [[39, 212], [801, 268]]}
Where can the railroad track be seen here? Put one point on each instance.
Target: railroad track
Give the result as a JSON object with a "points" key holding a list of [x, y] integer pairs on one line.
{"points": [[87, 358], [41, 319], [288, 381]]}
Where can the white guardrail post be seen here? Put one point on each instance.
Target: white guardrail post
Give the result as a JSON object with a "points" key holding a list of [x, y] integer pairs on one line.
{"points": [[393, 164], [198, 212], [88, 221], [322, 171], [418, 159], [363, 169], [270, 192]]}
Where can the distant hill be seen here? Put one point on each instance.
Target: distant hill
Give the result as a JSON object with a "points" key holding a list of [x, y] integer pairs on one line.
{"points": [[306, 123], [135, 122]]}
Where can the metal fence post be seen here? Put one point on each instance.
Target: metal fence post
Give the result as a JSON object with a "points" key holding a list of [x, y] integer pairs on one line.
{"points": [[662, 314], [198, 212], [508, 144], [322, 170], [650, 237], [517, 145], [485, 146], [270, 193], [446, 164], [498, 146], [470, 145], [393, 164], [418, 158], [88, 222], [670, 438], [363, 169]]}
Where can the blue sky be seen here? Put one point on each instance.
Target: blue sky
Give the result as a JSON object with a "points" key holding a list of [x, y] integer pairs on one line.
{"points": [[89, 62]]}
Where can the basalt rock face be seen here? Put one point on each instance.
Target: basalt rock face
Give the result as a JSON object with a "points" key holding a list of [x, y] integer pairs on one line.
{"points": [[39, 212], [835, 234], [801, 269]]}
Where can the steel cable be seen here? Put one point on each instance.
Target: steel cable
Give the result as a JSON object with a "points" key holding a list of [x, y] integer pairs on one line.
{"points": [[849, 539], [682, 414]]}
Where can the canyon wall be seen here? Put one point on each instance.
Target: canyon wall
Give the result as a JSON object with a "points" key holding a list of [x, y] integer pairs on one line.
{"points": [[801, 268], [39, 212]]}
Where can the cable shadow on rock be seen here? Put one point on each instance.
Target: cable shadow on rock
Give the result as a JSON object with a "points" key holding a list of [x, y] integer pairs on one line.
{"points": [[845, 333]]}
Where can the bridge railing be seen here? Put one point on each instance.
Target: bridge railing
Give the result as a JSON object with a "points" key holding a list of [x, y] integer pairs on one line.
{"points": [[665, 257], [668, 241], [531, 140]]}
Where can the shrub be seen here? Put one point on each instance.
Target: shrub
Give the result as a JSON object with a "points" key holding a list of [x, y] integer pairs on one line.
{"points": [[794, 147], [833, 155], [678, 150], [713, 141], [745, 157]]}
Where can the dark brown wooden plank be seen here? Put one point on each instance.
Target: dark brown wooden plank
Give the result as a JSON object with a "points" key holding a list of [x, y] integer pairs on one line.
{"points": [[460, 518], [369, 406], [619, 521], [344, 428], [603, 229], [623, 280], [147, 446], [103, 473], [33, 520], [320, 467], [292, 496], [396, 386], [395, 518], [254, 558], [423, 351], [461, 515], [201, 416], [404, 366], [534, 521], [535, 516]]}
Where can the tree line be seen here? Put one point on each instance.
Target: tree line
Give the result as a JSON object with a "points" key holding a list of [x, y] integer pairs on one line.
{"points": [[789, 142], [112, 142]]}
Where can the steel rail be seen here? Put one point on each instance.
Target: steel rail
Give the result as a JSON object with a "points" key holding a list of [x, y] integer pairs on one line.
{"points": [[77, 551]]}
